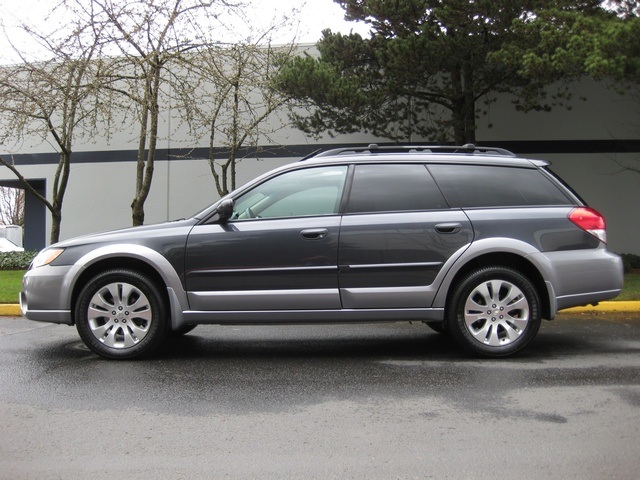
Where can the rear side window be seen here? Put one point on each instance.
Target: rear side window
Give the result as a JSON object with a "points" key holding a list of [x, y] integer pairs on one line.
{"points": [[495, 186], [393, 188]]}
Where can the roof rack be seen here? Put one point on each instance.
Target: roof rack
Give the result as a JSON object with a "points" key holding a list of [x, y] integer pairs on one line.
{"points": [[373, 148]]}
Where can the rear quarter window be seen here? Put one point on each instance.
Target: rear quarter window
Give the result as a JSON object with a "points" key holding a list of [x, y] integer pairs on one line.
{"points": [[468, 186]]}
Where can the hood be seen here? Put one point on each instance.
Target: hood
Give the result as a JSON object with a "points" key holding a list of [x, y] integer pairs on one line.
{"points": [[130, 234]]}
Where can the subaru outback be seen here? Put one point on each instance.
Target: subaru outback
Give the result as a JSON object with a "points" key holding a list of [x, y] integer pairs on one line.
{"points": [[473, 241]]}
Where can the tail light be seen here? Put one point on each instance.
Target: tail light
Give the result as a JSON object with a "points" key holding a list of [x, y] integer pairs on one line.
{"points": [[590, 221]]}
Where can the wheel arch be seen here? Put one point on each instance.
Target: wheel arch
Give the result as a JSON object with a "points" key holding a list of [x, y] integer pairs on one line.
{"points": [[132, 257], [504, 259]]}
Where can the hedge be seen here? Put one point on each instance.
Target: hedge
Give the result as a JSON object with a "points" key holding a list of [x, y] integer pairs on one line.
{"points": [[630, 261], [16, 260]]}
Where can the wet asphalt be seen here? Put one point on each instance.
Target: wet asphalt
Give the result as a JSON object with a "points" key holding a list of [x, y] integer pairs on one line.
{"points": [[321, 402]]}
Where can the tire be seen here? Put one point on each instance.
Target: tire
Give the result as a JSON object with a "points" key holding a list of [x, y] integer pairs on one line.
{"points": [[121, 314], [494, 312]]}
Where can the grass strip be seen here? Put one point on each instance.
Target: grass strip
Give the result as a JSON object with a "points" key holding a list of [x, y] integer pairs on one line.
{"points": [[10, 285]]}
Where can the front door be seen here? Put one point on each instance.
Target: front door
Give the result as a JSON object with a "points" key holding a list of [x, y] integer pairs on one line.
{"points": [[279, 250]]}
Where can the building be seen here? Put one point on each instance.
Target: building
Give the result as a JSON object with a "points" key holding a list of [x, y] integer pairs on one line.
{"points": [[593, 146]]}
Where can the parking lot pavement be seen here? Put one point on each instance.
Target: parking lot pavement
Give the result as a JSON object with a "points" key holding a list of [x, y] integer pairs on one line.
{"points": [[318, 402]]}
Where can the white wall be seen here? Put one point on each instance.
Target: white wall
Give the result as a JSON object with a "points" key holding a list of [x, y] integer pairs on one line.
{"points": [[99, 194], [605, 186]]}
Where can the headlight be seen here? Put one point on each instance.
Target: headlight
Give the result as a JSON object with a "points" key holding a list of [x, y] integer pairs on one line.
{"points": [[46, 256]]}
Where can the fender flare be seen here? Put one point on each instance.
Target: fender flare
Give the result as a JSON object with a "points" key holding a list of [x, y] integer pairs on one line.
{"points": [[178, 301], [496, 245]]}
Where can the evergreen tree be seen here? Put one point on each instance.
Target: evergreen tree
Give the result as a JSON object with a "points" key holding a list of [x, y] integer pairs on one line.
{"points": [[427, 67]]}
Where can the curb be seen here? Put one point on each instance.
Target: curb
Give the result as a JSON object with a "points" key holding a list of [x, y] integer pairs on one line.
{"points": [[631, 306], [13, 310], [10, 310]]}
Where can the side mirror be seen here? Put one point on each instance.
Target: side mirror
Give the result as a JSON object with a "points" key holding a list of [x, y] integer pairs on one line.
{"points": [[225, 210]]}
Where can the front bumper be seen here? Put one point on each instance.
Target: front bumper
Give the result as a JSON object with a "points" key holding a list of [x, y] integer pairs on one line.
{"points": [[45, 295]]}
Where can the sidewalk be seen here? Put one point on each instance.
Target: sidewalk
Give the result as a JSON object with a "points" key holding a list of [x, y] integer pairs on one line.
{"points": [[13, 310]]}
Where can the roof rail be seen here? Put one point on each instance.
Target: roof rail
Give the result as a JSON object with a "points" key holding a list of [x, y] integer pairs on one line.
{"points": [[373, 148]]}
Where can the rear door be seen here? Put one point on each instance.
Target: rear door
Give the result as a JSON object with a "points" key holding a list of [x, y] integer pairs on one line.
{"points": [[396, 235]]}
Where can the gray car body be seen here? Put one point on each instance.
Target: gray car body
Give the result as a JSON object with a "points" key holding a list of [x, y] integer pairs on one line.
{"points": [[218, 272]]}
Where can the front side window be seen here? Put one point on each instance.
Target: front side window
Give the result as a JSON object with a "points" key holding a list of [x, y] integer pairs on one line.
{"points": [[299, 193]]}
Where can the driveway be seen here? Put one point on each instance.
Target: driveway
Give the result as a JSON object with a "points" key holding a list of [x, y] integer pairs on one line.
{"points": [[322, 402]]}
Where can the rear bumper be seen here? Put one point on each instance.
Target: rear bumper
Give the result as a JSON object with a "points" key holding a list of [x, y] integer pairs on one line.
{"points": [[581, 277]]}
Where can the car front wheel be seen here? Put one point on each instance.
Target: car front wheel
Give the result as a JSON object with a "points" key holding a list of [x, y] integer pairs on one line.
{"points": [[494, 311], [121, 314]]}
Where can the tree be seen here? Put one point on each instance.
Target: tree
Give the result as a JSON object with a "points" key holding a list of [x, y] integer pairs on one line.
{"points": [[150, 35], [560, 43], [235, 101], [567, 44], [53, 99], [425, 70]]}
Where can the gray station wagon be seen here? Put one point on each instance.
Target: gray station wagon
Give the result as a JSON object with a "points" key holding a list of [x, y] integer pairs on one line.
{"points": [[473, 241]]}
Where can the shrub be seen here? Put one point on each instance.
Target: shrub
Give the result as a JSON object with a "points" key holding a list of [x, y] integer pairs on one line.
{"points": [[630, 262], [16, 260]]}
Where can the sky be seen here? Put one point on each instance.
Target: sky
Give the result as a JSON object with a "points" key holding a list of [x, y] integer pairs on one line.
{"points": [[313, 17]]}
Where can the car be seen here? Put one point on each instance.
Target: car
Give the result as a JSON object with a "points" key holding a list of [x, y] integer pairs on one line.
{"points": [[475, 242], [7, 245]]}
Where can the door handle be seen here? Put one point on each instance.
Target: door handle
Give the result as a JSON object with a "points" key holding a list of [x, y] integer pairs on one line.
{"points": [[314, 234], [448, 228]]}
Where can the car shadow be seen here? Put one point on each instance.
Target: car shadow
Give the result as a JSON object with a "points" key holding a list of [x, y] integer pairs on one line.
{"points": [[292, 342]]}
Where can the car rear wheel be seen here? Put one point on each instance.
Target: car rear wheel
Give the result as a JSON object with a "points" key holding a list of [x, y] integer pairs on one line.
{"points": [[121, 314], [494, 311]]}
